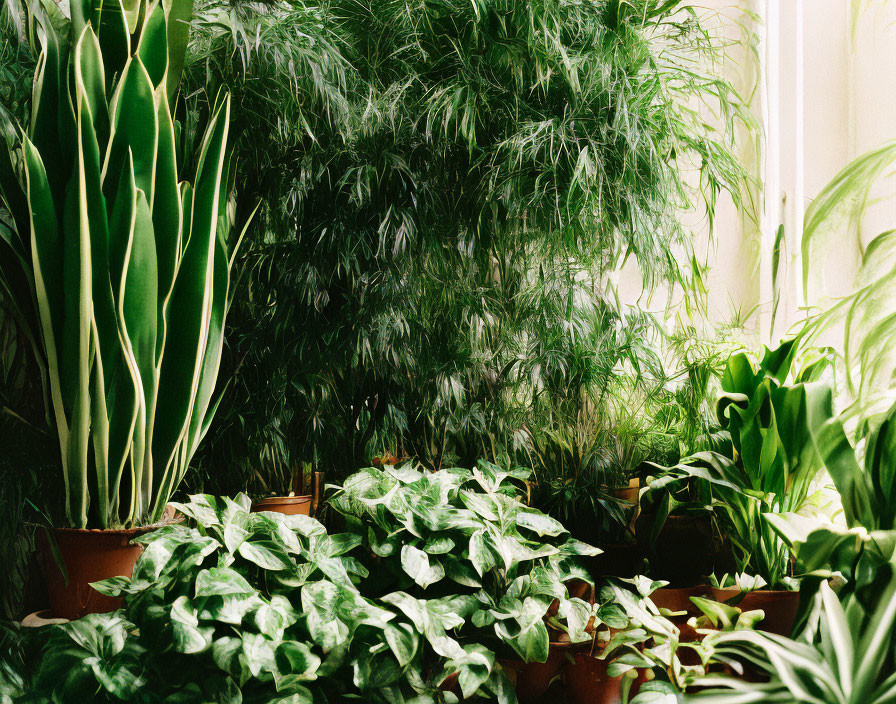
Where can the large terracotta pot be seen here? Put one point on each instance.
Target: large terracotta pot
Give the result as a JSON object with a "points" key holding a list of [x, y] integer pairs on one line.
{"points": [[89, 556], [587, 682], [780, 607], [288, 505]]}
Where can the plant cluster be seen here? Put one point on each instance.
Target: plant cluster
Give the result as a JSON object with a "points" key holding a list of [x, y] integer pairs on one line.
{"points": [[847, 655], [258, 607], [765, 463], [446, 189], [464, 582], [460, 532]]}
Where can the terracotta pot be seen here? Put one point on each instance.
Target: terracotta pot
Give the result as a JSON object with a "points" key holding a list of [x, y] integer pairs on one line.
{"points": [[587, 682], [780, 607], [630, 495], [679, 599], [89, 556], [532, 679], [288, 505]]}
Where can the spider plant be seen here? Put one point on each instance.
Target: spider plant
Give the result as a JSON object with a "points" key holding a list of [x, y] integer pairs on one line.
{"points": [[846, 656], [113, 256]]}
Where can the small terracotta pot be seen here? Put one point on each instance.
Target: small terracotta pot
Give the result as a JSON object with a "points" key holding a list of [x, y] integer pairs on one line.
{"points": [[631, 495], [287, 505], [532, 679], [89, 556], [587, 682], [780, 607]]}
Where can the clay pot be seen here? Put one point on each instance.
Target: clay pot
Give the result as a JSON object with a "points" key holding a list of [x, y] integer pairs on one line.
{"points": [[587, 682], [780, 607], [532, 679], [630, 495], [679, 599], [287, 505], [89, 556]]}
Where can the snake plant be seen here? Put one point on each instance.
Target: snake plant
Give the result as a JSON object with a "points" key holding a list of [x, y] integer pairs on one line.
{"points": [[115, 260]]}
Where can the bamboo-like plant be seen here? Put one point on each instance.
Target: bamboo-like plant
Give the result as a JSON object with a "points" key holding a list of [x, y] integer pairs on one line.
{"points": [[116, 267]]}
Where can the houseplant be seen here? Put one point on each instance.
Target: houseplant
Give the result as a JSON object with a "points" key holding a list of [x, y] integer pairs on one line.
{"points": [[120, 267], [862, 549], [467, 532], [847, 656], [767, 468]]}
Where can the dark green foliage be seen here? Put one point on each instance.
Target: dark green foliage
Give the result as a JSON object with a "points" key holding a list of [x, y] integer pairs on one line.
{"points": [[445, 189], [770, 414]]}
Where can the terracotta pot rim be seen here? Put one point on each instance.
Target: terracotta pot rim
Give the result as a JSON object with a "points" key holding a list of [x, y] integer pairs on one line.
{"points": [[172, 518], [300, 499], [764, 592]]}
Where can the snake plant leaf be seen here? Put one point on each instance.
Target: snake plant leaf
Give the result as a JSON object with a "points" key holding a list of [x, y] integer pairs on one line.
{"points": [[167, 210], [134, 127], [153, 46], [122, 390], [192, 307], [91, 82], [114, 37], [52, 118]]}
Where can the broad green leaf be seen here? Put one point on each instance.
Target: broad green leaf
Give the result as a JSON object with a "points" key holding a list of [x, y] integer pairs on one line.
{"points": [[221, 581], [189, 637], [416, 564]]}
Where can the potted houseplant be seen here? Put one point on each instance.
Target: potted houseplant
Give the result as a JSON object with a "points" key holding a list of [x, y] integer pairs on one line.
{"points": [[766, 469], [115, 259], [468, 533], [300, 493]]}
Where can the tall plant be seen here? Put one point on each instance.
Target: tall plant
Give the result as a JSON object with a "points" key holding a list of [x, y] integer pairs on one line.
{"points": [[454, 182], [115, 263]]}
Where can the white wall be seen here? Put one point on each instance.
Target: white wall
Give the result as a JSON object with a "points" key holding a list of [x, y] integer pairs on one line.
{"points": [[827, 94]]}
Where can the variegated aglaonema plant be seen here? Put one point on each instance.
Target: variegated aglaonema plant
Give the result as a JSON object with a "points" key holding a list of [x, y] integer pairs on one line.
{"points": [[118, 267]]}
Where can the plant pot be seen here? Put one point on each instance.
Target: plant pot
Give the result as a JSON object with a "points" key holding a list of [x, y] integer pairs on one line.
{"points": [[89, 556], [587, 682], [780, 607], [287, 505], [679, 598], [532, 679], [630, 495]]}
